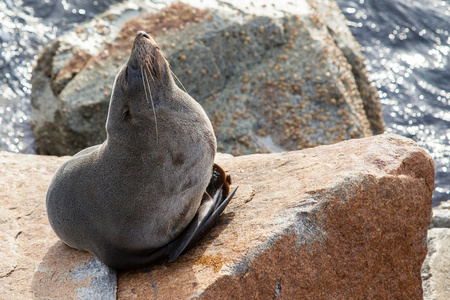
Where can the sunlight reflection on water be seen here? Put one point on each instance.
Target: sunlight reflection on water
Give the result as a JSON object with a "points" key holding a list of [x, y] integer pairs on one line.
{"points": [[407, 44]]}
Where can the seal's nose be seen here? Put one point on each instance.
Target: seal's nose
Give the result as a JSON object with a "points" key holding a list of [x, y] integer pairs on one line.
{"points": [[142, 33]]}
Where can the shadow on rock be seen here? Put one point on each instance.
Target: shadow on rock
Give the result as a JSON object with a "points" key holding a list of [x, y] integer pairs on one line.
{"points": [[183, 271]]}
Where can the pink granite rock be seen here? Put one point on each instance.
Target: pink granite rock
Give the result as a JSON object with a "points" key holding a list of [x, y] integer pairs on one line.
{"points": [[33, 262], [342, 221], [337, 222]]}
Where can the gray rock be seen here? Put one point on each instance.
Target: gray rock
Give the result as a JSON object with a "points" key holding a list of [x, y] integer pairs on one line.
{"points": [[60, 126], [271, 78], [436, 267], [441, 218], [102, 280], [444, 205]]}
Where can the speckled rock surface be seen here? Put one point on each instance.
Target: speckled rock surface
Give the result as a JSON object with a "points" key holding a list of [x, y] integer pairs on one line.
{"points": [[24, 230], [436, 267], [346, 220], [271, 75], [441, 216], [34, 263]]}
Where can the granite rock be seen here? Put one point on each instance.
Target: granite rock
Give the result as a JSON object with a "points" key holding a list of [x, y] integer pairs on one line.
{"points": [[34, 263], [271, 77], [347, 220]]}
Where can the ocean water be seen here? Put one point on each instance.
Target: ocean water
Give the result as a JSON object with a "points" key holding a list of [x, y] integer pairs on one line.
{"points": [[406, 44], [26, 26]]}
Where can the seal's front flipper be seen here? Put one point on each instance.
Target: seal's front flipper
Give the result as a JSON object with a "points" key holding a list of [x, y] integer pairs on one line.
{"points": [[207, 215]]}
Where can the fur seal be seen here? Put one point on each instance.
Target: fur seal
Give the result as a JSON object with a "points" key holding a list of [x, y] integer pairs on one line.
{"points": [[151, 190]]}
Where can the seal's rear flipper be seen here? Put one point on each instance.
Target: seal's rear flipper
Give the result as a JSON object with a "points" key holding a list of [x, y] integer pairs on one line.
{"points": [[207, 215]]}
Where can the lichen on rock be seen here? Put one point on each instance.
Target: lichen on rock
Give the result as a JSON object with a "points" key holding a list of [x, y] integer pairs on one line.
{"points": [[271, 78]]}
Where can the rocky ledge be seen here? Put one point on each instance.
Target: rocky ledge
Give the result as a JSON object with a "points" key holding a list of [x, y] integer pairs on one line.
{"points": [[271, 76], [346, 221]]}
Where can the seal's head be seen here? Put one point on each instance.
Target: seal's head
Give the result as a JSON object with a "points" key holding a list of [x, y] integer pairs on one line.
{"points": [[146, 59], [143, 85]]}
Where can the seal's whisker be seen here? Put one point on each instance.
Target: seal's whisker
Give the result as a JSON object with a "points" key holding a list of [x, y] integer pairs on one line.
{"points": [[149, 72], [144, 77], [151, 98], [152, 55], [179, 81]]}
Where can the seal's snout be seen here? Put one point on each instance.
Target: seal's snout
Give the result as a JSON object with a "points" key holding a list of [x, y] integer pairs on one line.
{"points": [[144, 45], [142, 34], [144, 37], [144, 51], [146, 56]]}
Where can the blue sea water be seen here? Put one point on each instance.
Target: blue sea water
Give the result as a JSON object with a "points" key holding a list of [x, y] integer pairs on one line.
{"points": [[25, 27], [406, 44]]}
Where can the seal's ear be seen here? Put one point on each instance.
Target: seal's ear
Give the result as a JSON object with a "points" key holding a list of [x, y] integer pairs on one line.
{"points": [[126, 75]]}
